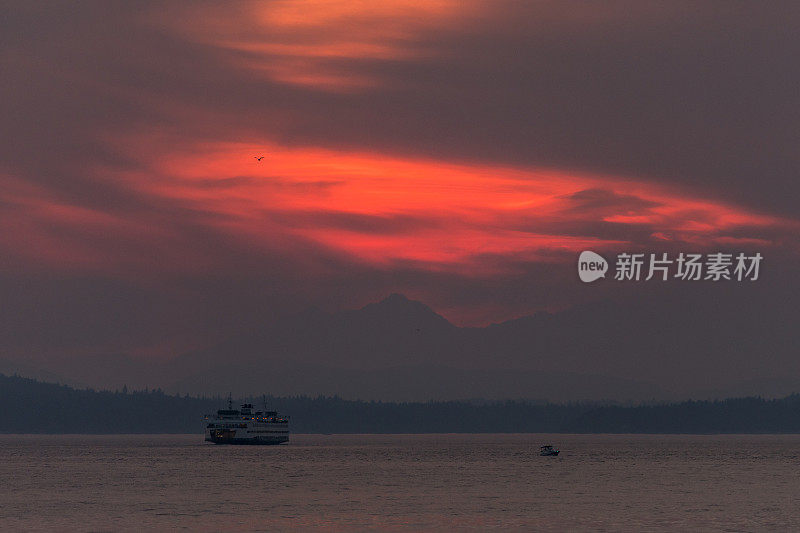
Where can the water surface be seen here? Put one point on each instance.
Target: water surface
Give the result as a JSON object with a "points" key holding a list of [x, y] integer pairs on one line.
{"points": [[393, 482]]}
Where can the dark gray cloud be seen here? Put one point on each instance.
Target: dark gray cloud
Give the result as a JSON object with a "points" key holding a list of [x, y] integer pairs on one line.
{"points": [[609, 201]]}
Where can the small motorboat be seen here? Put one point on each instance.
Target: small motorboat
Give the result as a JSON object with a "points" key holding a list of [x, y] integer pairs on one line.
{"points": [[548, 450]]}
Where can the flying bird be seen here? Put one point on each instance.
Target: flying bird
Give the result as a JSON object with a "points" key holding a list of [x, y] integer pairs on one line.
{"points": [[259, 158]]}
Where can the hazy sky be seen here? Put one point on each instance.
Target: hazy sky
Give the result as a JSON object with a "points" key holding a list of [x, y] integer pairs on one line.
{"points": [[461, 153]]}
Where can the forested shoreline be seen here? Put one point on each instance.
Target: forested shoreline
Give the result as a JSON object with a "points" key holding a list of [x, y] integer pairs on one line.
{"points": [[30, 406]]}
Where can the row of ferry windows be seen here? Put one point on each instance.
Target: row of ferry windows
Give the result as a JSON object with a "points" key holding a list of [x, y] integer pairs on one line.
{"points": [[276, 420], [234, 426]]}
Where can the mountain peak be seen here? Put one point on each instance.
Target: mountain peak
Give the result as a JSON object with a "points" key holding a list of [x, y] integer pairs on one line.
{"points": [[399, 307], [397, 298], [398, 301]]}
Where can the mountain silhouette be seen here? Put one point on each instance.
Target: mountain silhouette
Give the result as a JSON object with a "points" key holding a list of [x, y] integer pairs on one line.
{"points": [[665, 346]]}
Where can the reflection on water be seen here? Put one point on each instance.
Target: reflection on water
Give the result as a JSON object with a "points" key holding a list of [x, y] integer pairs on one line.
{"points": [[416, 482]]}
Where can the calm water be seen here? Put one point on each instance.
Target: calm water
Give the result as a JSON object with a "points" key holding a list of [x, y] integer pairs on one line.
{"points": [[414, 482]]}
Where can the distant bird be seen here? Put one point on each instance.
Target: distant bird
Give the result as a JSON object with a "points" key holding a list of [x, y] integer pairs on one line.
{"points": [[259, 158]]}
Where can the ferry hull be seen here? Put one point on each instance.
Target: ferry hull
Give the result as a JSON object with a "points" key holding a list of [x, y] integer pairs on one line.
{"points": [[251, 441]]}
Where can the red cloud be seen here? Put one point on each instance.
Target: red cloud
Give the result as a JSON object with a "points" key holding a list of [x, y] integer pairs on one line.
{"points": [[384, 210]]}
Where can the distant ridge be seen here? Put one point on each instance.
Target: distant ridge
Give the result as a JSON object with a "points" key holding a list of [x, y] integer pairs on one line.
{"points": [[399, 349]]}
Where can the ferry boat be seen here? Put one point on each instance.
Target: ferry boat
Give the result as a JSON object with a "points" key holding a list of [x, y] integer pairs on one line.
{"points": [[246, 426]]}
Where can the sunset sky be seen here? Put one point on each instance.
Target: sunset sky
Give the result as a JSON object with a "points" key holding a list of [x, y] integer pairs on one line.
{"points": [[461, 153]]}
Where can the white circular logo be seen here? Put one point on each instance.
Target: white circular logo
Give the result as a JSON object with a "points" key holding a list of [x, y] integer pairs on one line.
{"points": [[591, 266]]}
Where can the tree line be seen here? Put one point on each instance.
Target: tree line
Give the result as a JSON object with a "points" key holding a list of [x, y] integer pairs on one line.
{"points": [[31, 406]]}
